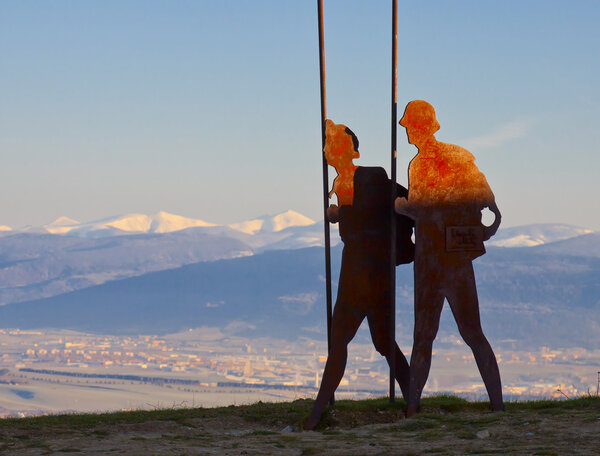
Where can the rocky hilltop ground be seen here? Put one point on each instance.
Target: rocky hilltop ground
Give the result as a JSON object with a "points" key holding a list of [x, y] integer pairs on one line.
{"points": [[447, 425]]}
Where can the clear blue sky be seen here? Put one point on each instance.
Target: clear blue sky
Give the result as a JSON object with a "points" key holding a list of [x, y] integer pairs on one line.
{"points": [[210, 109]]}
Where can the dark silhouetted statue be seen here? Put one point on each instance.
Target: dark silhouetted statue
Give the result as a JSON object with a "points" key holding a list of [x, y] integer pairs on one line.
{"points": [[364, 289], [446, 196]]}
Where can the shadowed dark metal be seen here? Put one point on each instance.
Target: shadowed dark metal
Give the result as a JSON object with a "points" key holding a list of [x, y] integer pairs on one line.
{"points": [[393, 178], [325, 180]]}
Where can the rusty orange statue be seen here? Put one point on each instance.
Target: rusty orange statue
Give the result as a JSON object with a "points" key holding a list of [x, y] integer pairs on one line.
{"points": [[446, 195], [364, 289]]}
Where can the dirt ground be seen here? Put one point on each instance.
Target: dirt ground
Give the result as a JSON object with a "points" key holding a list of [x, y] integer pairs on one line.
{"points": [[545, 431]]}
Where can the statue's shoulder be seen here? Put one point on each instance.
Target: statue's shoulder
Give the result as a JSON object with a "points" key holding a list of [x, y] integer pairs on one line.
{"points": [[370, 173], [457, 152]]}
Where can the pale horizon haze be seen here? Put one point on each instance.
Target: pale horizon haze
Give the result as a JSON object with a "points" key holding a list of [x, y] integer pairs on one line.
{"points": [[210, 110]]}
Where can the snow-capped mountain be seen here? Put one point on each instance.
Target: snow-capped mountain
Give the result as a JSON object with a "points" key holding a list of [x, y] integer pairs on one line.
{"points": [[533, 235], [61, 225], [164, 222], [286, 230], [67, 255], [272, 223], [161, 222]]}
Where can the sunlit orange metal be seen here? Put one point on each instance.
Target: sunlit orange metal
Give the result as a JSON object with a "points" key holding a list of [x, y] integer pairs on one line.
{"points": [[339, 152], [441, 174]]}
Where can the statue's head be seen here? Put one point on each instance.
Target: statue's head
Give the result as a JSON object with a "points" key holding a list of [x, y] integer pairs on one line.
{"points": [[341, 145], [419, 121]]}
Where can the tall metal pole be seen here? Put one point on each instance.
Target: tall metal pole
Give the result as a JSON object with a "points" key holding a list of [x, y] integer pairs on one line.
{"points": [[392, 329], [325, 180]]}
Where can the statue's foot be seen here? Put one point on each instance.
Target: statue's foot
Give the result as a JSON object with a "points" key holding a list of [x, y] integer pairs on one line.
{"points": [[498, 407], [412, 410], [312, 422]]}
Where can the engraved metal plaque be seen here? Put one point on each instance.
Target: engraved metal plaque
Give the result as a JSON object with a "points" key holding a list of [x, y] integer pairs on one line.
{"points": [[464, 239]]}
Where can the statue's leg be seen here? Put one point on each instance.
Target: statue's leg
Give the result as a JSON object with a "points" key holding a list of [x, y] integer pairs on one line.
{"points": [[346, 321], [428, 306], [463, 301], [379, 327]]}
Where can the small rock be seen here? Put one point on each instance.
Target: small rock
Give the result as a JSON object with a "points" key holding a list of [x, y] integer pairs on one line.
{"points": [[287, 430], [483, 434]]}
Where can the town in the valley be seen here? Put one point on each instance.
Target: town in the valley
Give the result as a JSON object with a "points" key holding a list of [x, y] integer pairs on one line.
{"points": [[55, 371]]}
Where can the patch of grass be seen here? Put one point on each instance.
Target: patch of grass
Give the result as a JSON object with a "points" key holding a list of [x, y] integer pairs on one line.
{"points": [[466, 435], [262, 432], [481, 451], [370, 405], [385, 430], [289, 438], [177, 437], [438, 451], [551, 411], [450, 404], [345, 414], [456, 421], [429, 436], [546, 452], [581, 403], [38, 444], [416, 424]]}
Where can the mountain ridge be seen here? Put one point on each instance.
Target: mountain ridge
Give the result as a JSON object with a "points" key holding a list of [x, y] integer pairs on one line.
{"points": [[525, 294], [161, 222]]}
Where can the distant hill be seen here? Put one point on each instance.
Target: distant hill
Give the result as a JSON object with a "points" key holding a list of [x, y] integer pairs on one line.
{"points": [[537, 234], [66, 255], [587, 245], [42, 265], [526, 294]]}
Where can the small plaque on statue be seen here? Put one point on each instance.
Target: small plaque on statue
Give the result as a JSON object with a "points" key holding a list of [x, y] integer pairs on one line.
{"points": [[464, 239]]}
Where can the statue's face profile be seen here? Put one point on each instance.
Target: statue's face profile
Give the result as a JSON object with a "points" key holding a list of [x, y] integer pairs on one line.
{"points": [[419, 121], [339, 148]]}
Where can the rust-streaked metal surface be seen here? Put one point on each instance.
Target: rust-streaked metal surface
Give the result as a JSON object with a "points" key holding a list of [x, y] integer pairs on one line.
{"points": [[446, 195]]}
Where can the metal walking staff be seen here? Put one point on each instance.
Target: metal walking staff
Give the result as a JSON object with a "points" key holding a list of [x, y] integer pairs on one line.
{"points": [[325, 180], [393, 178]]}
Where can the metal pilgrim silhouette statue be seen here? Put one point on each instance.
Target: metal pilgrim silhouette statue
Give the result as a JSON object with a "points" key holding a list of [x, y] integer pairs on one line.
{"points": [[364, 288], [446, 196], [444, 202]]}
